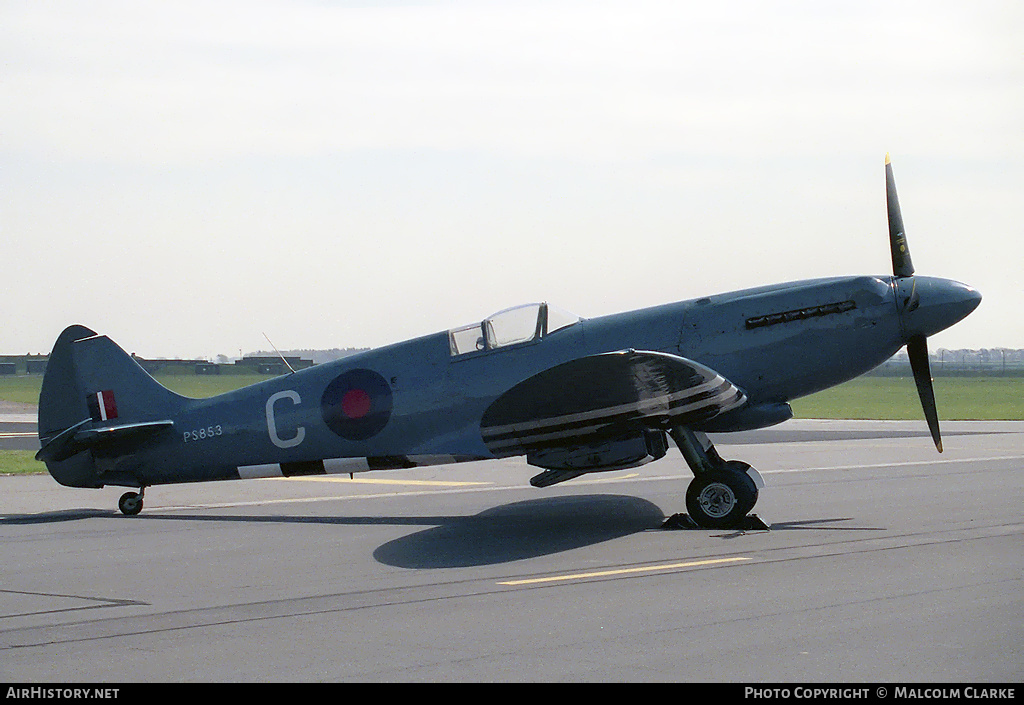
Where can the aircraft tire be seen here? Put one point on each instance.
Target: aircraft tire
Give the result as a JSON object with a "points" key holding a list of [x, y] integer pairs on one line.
{"points": [[720, 498], [130, 504]]}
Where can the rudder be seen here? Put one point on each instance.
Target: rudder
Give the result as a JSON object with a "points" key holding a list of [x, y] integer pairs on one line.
{"points": [[92, 383]]}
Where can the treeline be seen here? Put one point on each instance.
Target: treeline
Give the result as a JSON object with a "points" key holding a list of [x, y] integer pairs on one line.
{"points": [[960, 363]]}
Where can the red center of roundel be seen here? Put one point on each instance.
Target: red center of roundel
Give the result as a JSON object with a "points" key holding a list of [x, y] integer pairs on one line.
{"points": [[355, 404]]}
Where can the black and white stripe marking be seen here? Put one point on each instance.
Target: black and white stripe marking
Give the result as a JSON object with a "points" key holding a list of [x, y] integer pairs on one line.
{"points": [[689, 405], [337, 466]]}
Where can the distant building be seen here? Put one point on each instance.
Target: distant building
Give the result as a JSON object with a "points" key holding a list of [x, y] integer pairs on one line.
{"points": [[273, 365], [168, 365]]}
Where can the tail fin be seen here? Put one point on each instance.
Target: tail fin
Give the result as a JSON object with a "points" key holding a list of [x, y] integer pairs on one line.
{"points": [[95, 397]]}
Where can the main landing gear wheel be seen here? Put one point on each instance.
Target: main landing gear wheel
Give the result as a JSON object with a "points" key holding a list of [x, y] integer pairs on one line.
{"points": [[130, 503], [722, 497]]}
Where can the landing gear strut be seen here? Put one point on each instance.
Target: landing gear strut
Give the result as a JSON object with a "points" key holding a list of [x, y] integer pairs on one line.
{"points": [[722, 492], [130, 503]]}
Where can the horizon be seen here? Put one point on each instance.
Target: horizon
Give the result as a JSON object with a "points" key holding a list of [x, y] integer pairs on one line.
{"points": [[298, 352]]}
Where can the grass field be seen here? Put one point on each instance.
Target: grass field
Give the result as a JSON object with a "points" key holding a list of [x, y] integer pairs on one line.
{"points": [[958, 398], [19, 462]]}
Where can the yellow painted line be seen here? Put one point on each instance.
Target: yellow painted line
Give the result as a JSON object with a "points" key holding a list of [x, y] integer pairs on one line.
{"points": [[613, 479], [27, 434], [368, 481], [625, 571]]}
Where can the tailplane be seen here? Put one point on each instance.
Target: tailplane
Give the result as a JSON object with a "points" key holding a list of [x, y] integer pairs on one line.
{"points": [[96, 401]]}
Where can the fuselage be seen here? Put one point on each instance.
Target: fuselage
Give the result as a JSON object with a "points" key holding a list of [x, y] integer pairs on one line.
{"points": [[776, 343]]}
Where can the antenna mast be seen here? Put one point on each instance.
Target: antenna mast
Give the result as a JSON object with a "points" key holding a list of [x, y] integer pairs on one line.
{"points": [[279, 353]]}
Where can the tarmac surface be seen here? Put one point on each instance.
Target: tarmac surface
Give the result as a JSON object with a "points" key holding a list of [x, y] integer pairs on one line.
{"points": [[18, 426], [884, 562]]}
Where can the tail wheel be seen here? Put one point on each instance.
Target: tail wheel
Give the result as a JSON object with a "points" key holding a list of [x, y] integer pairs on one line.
{"points": [[130, 503], [720, 498]]}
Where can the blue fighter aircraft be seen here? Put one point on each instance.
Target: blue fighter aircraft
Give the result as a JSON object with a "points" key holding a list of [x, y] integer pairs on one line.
{"points": [[574, 396]]}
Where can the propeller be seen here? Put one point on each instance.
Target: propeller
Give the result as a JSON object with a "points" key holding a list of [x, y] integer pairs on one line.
{"points": [[901, 264], [903, 267], [917, 349]]}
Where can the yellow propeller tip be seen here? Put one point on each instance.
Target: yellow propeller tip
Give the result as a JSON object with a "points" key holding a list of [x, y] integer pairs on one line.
{"points": [[886, 157]]}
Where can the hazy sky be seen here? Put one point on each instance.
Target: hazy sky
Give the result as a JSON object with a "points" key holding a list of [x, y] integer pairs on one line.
{"points": [[187, 176]]}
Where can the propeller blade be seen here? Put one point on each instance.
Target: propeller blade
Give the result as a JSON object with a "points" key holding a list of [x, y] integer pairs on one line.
{"points": [[917, 350], [901, 264]]}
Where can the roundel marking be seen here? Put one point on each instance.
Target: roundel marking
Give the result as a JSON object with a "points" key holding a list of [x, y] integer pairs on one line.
{"points": [[357, 404]]}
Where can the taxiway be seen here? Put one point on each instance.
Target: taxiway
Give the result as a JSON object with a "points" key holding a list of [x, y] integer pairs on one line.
{"points": [[884, 562]]}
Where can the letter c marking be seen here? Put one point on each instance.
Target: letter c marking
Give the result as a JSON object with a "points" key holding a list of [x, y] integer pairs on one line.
{"points": [[300, 433]]}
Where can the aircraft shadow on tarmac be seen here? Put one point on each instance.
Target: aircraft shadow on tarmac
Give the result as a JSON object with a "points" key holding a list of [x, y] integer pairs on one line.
{"points": [[55, 517], [501, 534], [820, 524], [497, 535], [521, 530]]}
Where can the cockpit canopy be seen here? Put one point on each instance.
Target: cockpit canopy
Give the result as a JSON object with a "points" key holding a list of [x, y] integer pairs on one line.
{"points": [[513, 326]]}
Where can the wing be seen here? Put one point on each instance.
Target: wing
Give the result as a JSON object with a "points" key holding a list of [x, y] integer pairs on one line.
{"points": [[604, 396]]}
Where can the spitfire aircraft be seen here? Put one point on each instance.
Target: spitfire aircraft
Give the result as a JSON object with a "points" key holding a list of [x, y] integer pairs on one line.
{"points": [[574, 396]]}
